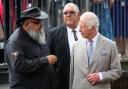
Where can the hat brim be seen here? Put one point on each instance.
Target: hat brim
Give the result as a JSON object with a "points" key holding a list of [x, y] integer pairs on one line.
{"points": [[41, 17]]}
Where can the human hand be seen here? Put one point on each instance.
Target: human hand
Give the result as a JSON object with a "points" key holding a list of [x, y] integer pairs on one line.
{"points": [[52, 59], [93, 78]]}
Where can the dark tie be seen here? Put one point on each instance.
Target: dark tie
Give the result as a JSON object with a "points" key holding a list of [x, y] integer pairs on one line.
{"points": [[90, 51], [75, 36]]}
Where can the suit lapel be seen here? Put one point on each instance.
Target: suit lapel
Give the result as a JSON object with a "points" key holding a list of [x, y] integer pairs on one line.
{"points": [[67, 50], [83, 61]]}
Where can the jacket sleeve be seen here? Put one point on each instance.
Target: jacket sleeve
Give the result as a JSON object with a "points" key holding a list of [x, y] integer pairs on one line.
{"points": [[114, 71], [20, 63]]}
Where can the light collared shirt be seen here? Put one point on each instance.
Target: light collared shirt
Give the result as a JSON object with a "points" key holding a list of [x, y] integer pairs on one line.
{"points": [[94, 46], [71, 39], [94, 42]]}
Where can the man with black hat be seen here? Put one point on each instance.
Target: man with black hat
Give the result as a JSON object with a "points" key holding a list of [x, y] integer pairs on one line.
{"points": [[30, 65]]}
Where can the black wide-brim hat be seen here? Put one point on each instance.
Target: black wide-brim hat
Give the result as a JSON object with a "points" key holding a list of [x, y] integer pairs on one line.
{"points": [[32, 13]]}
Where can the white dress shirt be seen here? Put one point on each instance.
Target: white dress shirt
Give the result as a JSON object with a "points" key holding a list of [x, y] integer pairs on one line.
{"points": [[71, 39]]}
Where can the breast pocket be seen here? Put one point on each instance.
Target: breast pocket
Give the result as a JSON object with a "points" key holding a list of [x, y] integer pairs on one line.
{"points": [[104, 60]]}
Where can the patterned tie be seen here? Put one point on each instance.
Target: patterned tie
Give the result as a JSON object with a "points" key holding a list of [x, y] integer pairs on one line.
{"points": [[90, 51], [75, 37]]}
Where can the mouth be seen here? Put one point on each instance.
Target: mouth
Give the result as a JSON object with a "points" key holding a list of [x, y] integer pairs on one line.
{"points": [[68, 18]]}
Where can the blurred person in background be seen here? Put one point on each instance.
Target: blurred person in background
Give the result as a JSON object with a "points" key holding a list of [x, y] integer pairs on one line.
{"points": [[102, 9]]}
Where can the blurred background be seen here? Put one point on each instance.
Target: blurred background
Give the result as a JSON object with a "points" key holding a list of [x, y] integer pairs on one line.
{"points": [[113, 15]]}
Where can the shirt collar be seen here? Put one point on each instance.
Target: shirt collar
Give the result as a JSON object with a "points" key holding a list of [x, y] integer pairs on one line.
{"points": [[94, 38], [70, 29]]}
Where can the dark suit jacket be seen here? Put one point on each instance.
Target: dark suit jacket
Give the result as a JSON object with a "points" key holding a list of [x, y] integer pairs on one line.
{"points": [[58, 45], [30, 69]]}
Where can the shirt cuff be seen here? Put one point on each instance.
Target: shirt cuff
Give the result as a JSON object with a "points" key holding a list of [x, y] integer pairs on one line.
{"points": [[101, 77]]}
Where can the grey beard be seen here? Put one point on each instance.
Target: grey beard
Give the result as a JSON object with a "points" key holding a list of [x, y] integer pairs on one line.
{"points": [[37, 36]]}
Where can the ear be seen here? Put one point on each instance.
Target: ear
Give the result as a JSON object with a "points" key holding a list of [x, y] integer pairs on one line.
{"points": [[94, 28], [79, 13]]}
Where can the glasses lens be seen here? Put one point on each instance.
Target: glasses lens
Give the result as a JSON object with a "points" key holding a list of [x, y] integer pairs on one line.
{"points": [[36, 22], [70, 12]]}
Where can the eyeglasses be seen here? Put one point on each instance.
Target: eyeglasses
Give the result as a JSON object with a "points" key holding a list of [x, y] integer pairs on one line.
{"points": [[36, 22], [69, 12]]}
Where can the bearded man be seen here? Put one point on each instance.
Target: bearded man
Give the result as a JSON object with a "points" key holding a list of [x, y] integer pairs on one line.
{"points": [[30, 65]]}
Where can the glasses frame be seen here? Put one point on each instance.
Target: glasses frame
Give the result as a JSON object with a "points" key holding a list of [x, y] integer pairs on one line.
{"points": [[36, 22], [69, 13]]}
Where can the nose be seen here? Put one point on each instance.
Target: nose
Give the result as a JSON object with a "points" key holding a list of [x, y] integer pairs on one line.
{"points": [[40, 24]]}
